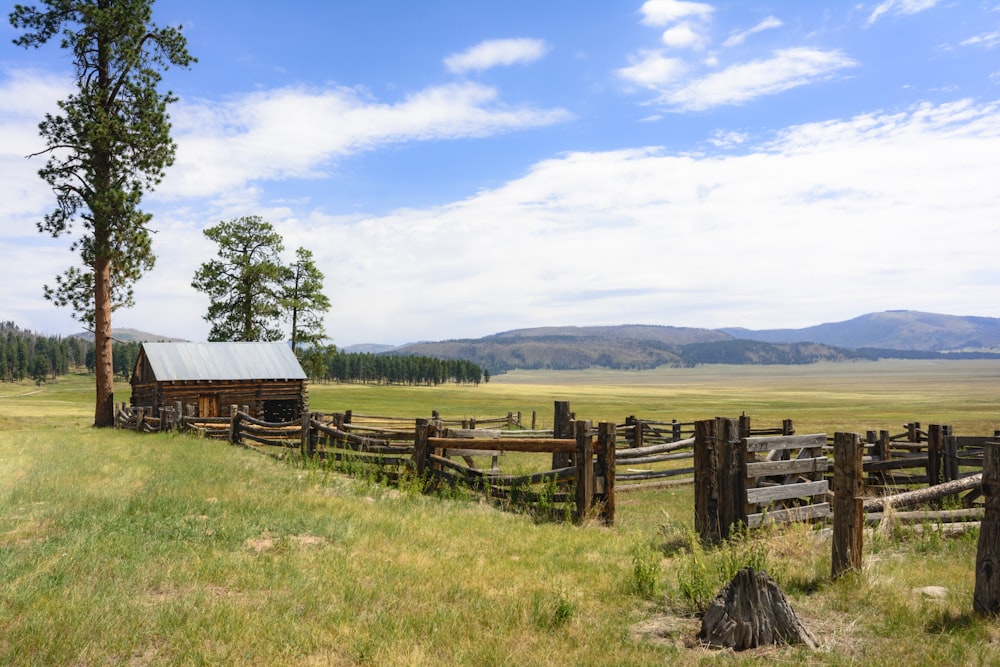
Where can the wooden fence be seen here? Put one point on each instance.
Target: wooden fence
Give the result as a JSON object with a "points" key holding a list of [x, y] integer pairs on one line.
{"points": [[742, 475], [746, 480], [921, 457], [587, 483]]}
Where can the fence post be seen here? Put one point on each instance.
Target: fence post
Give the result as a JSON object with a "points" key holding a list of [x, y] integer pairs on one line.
{"points": [[675, 430], [562, 427], [584, 467], [306, 444], [706, 498], [950, 455], [848, 502], [787, 427], [935, 442], [744, 427], [732, 475], [420, 446], [986, 598], [606, 463], [234, 425]]}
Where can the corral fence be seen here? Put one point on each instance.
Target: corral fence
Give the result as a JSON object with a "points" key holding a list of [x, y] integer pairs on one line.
{"points": [[743, 475]]}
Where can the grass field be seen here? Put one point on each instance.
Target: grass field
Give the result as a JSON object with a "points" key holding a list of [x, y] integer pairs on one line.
{"points": [[117, 548]]}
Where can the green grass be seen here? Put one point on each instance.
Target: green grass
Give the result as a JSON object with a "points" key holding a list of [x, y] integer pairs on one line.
{"points": [[117, 548]]}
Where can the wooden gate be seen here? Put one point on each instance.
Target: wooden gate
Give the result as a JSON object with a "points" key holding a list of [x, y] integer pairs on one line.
{"points": [[783, 488]]}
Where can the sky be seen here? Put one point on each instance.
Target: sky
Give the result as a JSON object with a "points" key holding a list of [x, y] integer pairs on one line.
{"points": [[463, 168]]}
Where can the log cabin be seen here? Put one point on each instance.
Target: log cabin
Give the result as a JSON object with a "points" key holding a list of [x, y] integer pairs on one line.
{"points": [[266, 378]]}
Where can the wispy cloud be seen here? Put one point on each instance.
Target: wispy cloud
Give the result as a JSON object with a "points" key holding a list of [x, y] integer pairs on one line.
{"points": [[987, 40], [841, 181], [900, 7], [767, 24], [786, 69], [684, 85], [496, 52], [296, 132]]}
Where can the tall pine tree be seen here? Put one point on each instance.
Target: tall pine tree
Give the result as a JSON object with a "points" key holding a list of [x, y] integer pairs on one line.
{"points": [[108, 144]]}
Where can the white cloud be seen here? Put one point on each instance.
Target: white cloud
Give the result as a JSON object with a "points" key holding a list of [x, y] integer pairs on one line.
{"points": [[737, 84], [683, 36], [652, 70], [663, 12], [904, 7], [296, 132], [496, 52], [987, 40], [813, 219], [767, 24]]}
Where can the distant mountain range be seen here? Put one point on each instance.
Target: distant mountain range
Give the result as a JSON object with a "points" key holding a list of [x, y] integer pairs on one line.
{"points": [[891, 334], [132, 336], [893, 329]]}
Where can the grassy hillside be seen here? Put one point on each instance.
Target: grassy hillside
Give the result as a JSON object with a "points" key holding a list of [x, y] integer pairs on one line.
{"points": [[117, 548]]}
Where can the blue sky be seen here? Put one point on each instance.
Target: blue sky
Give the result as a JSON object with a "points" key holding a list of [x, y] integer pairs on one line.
{"points": [[462, 168]]}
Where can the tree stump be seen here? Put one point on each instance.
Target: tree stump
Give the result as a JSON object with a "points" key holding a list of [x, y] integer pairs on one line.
{"points": [[751, 611]]}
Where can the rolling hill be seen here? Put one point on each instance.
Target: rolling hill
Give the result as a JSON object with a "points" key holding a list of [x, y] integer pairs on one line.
{"points": [[890, 334], [892, 329]]}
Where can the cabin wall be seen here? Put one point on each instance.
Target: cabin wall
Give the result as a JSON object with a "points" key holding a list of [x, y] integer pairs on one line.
{"points": [[217, 396]]}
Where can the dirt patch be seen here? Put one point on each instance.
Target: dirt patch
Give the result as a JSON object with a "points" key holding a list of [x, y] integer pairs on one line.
{"points": [[669, 629], [268, 541]]}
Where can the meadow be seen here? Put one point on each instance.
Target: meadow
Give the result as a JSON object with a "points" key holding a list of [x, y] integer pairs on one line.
{"points": [[118, 548]]}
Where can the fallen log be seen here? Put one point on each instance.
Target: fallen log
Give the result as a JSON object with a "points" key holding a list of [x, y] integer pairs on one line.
{"points": [[910, 498], [942, 516]]}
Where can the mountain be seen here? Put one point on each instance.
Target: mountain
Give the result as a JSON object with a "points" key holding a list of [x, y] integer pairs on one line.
{"points": [[892, 329], [132, 336], [892, 334], [630, 346], [366, 348]]}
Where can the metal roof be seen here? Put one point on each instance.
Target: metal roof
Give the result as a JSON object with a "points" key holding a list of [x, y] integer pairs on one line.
{"points": [[222, 361]]}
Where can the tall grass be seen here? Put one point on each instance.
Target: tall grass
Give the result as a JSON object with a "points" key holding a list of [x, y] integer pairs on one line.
{"points": [[117, 548]]}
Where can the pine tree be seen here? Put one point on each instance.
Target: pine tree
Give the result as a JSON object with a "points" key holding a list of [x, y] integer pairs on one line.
{"points": [[108, 144]]}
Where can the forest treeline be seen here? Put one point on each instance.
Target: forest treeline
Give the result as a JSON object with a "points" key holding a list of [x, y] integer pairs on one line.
{"points": [[327, 364], [25, 355]]}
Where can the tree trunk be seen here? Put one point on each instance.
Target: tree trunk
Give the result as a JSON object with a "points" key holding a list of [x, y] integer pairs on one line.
{"points": [[104, 410], [751, 611]]}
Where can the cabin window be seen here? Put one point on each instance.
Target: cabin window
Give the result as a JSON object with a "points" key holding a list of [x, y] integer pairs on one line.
{"points": [[281, 411]]}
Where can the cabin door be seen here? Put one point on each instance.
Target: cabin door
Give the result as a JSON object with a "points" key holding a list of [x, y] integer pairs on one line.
{"points": [[208, 405]]}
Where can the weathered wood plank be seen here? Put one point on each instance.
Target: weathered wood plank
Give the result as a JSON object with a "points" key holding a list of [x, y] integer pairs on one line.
{"points": [[773, 468], [789, 515], [764, 444], [471, 452], [786, 492], [473, 433], [543, 445]]}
